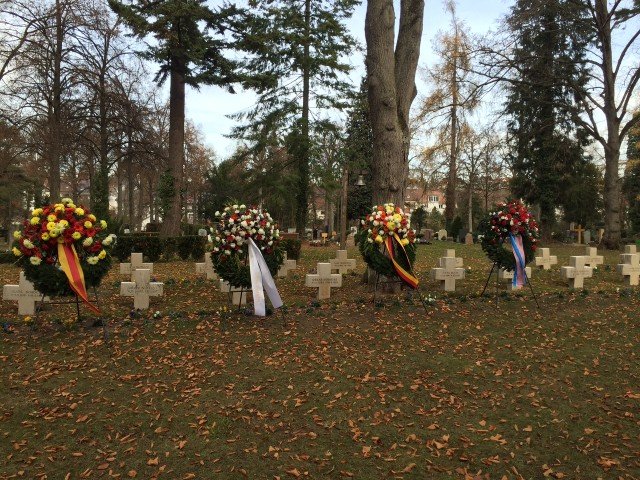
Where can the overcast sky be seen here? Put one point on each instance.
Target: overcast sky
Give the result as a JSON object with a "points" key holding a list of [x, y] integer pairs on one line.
{"points": [[209, 106]]}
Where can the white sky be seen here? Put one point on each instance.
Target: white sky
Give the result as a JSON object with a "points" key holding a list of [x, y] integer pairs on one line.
{"points": [[209, 106]]}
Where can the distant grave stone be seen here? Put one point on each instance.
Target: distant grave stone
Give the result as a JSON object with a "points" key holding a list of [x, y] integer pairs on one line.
{"points": [[448, 273]]}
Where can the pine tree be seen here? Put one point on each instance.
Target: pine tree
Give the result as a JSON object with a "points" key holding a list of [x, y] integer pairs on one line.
{"points": [[546, 145], [298, 49], [190, 47]]}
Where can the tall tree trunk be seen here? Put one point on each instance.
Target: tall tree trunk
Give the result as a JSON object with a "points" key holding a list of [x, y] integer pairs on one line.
{"points": [[172, 218], [302, 150], [470, 206], [452, 178], [54, 137], [100, 195], [391, 90]]}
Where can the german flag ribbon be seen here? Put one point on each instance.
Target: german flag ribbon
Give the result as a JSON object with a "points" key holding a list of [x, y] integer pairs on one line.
{"points": [[406, 277], [70, 264]]}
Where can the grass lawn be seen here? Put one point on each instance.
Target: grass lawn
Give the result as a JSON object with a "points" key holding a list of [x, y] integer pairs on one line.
{"points": [[346, 389]]}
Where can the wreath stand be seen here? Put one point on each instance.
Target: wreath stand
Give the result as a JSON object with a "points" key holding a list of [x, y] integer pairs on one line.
{"points": [[497, 269], [76, 301], [245, 290], [390, 282]]}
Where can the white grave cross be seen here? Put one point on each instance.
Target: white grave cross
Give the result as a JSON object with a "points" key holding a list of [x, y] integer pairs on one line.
{"points": [[207, 267], [576, 272], [448, 273], [25, 294], [341, 263], [451, 253], [592, 259], [508, 275], [141, 288], [238, 297], [136, 264], [546, 259], [630, 266], [287, 265], [324, 280]]}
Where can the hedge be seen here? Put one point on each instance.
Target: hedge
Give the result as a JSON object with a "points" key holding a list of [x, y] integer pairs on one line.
{"points": [[292, 247], [153, 247]]}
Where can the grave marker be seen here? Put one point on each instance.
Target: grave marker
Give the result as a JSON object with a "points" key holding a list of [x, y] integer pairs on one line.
{"points": [[545, 260], [287, 265], [587, 237], [448, 273], [468, 239], [141, 288], [442, 234], [451, 253], [630, 266], [25, 294], [592, 259], [324, 280], [576, 272], [207, 267], [238, 297], [579, 231], [508, 275], [341, 263], [135, 264]]}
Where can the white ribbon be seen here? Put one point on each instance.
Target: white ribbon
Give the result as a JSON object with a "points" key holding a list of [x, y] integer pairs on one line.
{"points": [[261, 280]]}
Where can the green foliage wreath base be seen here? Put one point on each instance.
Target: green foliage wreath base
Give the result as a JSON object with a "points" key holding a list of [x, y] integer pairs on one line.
{"points": [[379, 262], [234, 270], [493, 246], [52, 281]]}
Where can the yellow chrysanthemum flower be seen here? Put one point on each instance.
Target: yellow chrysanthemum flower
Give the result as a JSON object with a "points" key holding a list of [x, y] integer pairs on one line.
{"points": [[35, 221], [63, 223], [102, 254], [51, 226], [17, 234], [59, 208], [16, 252], [103, 224], [391, 225], [44, 236], [88, 224], [76, 235], [79, 211], [53, 233], [37, 212], [379, 239], [92, 217], [52, 218], [35, 260], [404, 241]]}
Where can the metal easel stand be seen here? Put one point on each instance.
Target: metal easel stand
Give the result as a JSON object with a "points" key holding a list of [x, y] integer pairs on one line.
{"points": [[497, 269], [76, 301], [378, 282]]}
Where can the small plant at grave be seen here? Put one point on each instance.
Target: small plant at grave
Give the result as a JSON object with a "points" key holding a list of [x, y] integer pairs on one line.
{"points": [[169, 281], [174, 315], [607, 268], [584, 293], [156, 315], [315, 304], [429, 299], [560, 295], [463, 298]]}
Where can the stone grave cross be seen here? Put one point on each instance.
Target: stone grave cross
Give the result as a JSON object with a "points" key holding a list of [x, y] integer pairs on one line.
{"points": [[287, 265], [238, 297], [630, 266], [448, 273], [25, 294], [324, 280], [207, 267], [341, 263], [576, 272], [451, 253], [592, 259], [579, 231], [141, 288], [546, 259], [508, 275], [136, 264]]}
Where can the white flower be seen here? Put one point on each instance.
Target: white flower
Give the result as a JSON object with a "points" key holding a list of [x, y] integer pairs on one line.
{"points": [[260, 231], [92, 260], [243, 206], [87, 241], [28, 244], [35, 260]]}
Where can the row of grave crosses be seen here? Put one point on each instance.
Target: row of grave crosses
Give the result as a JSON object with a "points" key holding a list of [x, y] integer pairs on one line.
{"points": [[450, 269]]}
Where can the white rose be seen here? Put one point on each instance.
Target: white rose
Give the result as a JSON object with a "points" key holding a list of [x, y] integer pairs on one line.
{"points": [[260, 231], [243, 206], [217, 214]]}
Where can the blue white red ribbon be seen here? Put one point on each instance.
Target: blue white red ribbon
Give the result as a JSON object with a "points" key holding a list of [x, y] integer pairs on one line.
{"points": [[261, 281], [519, 276]]}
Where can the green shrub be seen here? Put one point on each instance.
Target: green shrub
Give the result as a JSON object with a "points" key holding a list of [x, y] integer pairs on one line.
{"points": [[149, 245], [198, 248], [189, 229], [292, 247], [7, 256], [170, 247]]}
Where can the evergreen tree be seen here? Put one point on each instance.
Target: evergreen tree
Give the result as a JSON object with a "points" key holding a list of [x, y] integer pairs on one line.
{"points": [[297, 47], [631, 185], [190, 48], [546, 145]]}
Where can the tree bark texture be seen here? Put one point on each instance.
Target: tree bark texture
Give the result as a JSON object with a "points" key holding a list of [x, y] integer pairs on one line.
{"points": [[171, 221], [391, 90], [53, 153]]}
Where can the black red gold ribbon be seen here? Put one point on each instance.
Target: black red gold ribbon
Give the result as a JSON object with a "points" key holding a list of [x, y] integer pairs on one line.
{"points": [[70, 264], [406, 277]]}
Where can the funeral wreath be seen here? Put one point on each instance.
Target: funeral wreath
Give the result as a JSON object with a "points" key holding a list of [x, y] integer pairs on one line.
{"points": [[500, 226], [387, 225], [64, 223], [236, 225]]}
